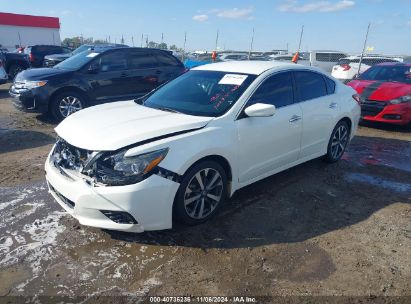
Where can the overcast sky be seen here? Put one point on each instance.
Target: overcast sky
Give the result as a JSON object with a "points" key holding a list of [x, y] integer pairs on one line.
{"points": [[329, 24]]}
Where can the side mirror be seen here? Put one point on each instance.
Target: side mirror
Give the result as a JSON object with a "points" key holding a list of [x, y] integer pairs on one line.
{"points": [[260, 110]]}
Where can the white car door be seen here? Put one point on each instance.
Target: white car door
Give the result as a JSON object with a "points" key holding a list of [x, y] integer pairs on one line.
{"points": [[320, 109], [268, 143]]}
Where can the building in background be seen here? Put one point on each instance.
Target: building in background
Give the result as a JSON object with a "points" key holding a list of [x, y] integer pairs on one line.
{"points": [[22, 30]]}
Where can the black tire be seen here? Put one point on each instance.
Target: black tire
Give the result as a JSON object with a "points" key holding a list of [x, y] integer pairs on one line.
{"points": [[14, 69], [189, 191], [339, 140], [62, 99]]}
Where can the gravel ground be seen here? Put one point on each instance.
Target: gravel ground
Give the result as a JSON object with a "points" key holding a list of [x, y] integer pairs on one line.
{"points": [[314, 230]]}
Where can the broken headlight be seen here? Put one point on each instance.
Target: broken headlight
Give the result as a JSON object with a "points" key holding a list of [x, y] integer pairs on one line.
{"points": [[119, 170]]}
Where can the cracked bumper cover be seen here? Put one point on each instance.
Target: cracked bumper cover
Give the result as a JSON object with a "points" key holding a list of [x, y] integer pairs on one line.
{"points": [[150, 201]]}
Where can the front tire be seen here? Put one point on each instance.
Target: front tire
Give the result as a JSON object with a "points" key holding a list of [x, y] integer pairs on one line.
{"points": [[338, 142], [202, 191], [66, 103]]}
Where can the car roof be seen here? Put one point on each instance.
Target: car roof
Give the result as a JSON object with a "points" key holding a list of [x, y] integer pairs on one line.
{"points": [[248, 67], [394, 64]]}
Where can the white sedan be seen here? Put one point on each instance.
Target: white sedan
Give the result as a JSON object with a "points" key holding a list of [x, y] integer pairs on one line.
{"points": [[181, 150]]}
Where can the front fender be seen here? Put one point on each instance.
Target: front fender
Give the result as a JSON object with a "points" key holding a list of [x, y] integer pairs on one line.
{"points": [[188, 148]]}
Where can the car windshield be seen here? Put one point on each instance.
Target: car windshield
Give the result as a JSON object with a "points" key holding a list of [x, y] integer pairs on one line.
{"points": [[80, 49], [77, 61], [200, 93], [398, 73]]}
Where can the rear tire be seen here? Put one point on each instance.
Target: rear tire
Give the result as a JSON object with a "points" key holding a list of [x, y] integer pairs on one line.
{"points": [[66, 103], [338, 142], [202, 191]]}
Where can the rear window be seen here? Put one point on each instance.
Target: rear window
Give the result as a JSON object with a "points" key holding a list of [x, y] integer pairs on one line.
{"points": [[165, 60], [330, 84], [329, 57], [310, 85], [142, 61]]}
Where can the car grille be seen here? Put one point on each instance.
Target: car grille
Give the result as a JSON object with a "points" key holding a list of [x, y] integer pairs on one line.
{"points": [[371, 107], [69, 157]]}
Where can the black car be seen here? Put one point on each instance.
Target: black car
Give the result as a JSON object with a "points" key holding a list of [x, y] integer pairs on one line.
{"points": [[37, 53], [14, 63], [52, 60], [93, 77]]}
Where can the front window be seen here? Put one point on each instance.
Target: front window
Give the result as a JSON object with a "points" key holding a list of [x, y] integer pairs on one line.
{"points": [[77, 61], [396, 73], [200, 93]]}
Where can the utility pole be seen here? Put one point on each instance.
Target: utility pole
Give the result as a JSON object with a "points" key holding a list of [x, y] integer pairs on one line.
{"points": [[301, 39], [132, 40], [162, 38], [363, 49], [142, 39], [251, 45], [184, 46], [216, 41]]}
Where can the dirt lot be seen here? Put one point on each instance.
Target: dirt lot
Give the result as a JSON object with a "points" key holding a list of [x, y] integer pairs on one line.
{"points": [[314, 230]]}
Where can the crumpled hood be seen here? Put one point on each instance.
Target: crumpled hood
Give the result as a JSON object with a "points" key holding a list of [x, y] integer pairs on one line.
{"points": [[115, 125]]}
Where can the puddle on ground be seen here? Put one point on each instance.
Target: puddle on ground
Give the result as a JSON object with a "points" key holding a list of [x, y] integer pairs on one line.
{"points": [[381, 153], [50, 253], [379, 182]]}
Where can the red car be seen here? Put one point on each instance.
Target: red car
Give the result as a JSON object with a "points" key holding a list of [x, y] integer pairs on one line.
{"points": [[385, 93]]}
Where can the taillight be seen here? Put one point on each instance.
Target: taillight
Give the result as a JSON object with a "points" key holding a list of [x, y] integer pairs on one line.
{"points": [[346, 67], [31, 57], [357, 98]]}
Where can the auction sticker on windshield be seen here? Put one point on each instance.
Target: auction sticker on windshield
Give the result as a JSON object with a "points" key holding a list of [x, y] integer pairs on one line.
{"points": [[233, 79], [92, 55]]}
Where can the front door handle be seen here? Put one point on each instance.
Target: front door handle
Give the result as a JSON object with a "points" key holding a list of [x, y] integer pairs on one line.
{"points": [[123, 75], [333, 105], [295, 118], [158, 72]]}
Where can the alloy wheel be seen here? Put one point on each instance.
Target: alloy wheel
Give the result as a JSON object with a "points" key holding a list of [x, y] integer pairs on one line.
{"points": [[69, 104], [339, 142], [203, 193]]}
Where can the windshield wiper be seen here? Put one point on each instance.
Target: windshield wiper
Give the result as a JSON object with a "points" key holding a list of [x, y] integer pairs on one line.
{"points": [[167, 110]]}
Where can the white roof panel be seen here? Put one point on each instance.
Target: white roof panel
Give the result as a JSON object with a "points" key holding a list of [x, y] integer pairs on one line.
{"points": [[246, 67]]}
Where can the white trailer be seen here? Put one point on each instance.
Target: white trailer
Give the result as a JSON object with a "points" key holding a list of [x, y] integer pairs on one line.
{"points": [[23, 30]]}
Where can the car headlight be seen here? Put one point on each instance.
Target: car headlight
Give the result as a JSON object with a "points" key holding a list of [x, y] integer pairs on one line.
{"points": [[118, 170], [402, 99], [34, 84]]}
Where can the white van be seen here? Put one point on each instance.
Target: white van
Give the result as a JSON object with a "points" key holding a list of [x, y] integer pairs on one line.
{"points": [[324, 60]]}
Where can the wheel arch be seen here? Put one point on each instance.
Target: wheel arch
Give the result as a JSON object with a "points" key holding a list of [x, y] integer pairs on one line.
{"points": [[221, 160], [348, 121], [67, 89]]}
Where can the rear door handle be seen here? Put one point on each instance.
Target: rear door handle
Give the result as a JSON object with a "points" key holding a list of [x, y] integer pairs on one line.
{"points": [[295, 118], [333, 105], [158, 72], [123, 75]]}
